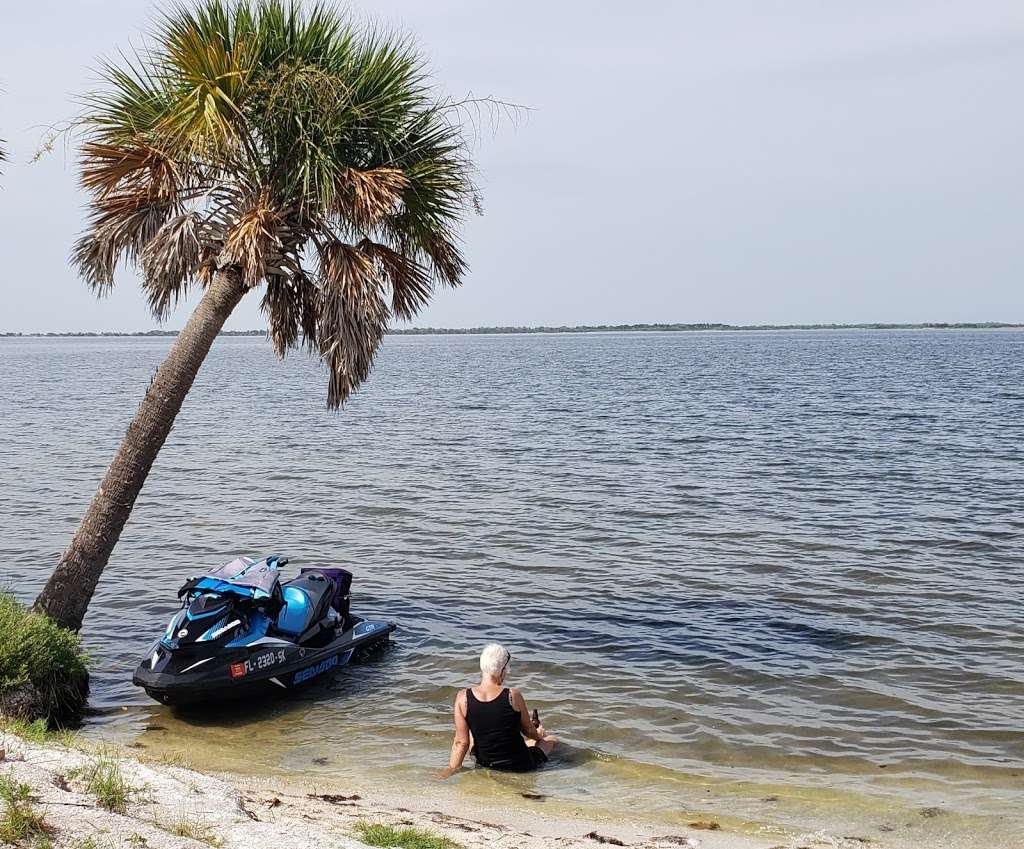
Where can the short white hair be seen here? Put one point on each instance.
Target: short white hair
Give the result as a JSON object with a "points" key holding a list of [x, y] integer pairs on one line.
{"points": [[494, 659]]}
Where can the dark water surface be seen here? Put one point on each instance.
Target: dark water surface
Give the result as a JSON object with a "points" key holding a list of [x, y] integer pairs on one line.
{"points": [[775, 575]]}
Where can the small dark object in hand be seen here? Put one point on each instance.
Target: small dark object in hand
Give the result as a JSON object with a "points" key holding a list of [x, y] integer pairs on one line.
{"points": [[536, 718], [600, 838]]}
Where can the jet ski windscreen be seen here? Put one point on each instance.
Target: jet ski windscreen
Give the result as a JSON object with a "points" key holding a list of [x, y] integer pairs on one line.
{"points": [[259, 576]]}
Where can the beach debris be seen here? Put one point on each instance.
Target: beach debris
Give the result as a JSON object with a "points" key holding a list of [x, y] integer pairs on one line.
{"points": [[273, 803], [600, 838], [453, 822], [334, 798], [3, 754], [537, 797], [886, 827], [493, 825], [250, 814], [155, 728], [770, 799], [689, 842], [320, 761], [61, 782], [705, 825], [931, 813]]}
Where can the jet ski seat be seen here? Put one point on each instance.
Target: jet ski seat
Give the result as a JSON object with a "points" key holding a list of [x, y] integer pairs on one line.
{"points": [[306, 600]]}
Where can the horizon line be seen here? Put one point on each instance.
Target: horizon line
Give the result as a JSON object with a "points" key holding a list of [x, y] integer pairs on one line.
{"points": [[578, 328]]}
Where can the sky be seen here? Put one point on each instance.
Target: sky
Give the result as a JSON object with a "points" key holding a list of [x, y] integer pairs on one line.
{"points": [[741, 162]]}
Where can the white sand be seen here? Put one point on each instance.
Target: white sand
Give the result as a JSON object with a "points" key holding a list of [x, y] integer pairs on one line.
{"points": [[271, 814]]}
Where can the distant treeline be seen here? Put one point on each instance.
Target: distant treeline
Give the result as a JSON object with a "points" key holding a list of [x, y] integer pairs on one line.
{"points": [[649, 328], [595, 328]]}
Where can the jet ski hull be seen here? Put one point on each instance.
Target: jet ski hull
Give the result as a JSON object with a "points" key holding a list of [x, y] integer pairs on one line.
{"points": [[176, 677]]}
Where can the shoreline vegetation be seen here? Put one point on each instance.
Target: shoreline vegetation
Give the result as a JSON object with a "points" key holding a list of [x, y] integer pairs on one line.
{"points": [[43, 670], [579, 328], [63, 792]]}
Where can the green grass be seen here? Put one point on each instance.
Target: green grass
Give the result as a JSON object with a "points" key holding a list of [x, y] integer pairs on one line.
{"points": [[43, 671], [194, 828], [20, 822], [378, 834], [105, 781], [39, 731]]}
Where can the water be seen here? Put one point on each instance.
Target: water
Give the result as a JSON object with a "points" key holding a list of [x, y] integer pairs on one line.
{"points": [[775, 577]]}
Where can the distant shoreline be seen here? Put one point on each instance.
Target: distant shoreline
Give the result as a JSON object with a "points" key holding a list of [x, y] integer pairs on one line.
{"points": [[579, 328]]}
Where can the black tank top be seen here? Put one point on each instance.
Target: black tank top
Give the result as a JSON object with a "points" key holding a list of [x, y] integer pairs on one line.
{"points": [[497, 740]]}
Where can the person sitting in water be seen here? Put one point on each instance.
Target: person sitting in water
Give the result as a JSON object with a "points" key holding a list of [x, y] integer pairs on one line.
{"points": [[498, 719]]}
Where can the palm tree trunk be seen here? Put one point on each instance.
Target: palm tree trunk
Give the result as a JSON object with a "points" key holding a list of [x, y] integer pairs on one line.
{"points": [[66, 595]]}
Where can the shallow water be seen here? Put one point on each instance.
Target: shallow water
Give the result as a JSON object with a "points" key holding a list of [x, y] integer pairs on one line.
{"points": [[775, 575]]}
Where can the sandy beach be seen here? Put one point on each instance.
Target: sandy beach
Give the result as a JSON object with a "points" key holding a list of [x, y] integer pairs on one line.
{"points": [[172, 806]]}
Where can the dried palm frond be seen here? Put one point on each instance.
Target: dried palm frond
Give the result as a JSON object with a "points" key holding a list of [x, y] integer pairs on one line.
{"points": [[352, 317], [170, 261], [254, 238], [367, 197], [409, 280], [122, 225], [109, 168]]}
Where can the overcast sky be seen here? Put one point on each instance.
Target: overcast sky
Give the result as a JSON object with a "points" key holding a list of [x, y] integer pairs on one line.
{"points": [[742, 162]]}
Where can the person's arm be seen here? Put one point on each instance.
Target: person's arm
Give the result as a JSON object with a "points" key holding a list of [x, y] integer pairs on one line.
{"points": [[530, 731], [460, 745]]}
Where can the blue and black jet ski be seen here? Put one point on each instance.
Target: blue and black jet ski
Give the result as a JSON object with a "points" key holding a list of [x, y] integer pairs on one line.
{"points": [[241, 631]]}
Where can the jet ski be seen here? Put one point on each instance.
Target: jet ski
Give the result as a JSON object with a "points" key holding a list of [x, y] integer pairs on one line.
{"points": [[241, 631]]}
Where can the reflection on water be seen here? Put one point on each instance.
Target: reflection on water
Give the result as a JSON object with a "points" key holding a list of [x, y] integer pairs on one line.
{"points": [[772, 574]]}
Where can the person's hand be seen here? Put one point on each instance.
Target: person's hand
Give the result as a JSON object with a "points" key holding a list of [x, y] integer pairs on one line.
{"points": [[447, 772], [541, 733]]}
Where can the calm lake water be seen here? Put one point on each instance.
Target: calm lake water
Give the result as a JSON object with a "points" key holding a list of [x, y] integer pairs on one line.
{"points": [[775, 577]]}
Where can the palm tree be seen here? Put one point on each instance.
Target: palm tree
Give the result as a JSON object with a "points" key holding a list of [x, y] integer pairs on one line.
{"points": [[251, 145]]}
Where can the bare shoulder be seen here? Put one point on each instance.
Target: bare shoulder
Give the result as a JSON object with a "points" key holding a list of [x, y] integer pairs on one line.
{"points": [[516, 696], [460, 698]]}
